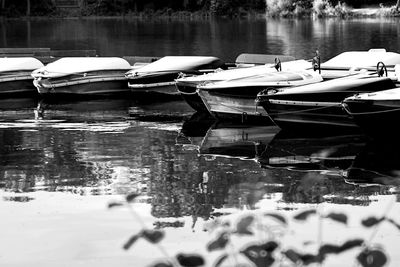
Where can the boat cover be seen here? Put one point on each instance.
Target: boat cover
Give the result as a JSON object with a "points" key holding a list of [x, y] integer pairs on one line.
{"points": [[179, 64], [19, 63], [283, 78], [70, 65], [245, 72], [357, 59]]}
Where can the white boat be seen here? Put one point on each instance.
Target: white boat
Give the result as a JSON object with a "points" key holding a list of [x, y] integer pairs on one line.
{"points": [[159, 76], [187, 86], [377, 113], [342, 65], [356, 62], [318, 106], [15, 75], [235, 99], [83, 76]]}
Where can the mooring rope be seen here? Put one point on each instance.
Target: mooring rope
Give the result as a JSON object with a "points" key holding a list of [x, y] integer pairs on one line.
{"points": [[369, 112]]}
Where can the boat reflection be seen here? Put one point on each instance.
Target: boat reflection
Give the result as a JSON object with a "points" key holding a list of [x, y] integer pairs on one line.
{"points": [[329, 154], [159, 111], [233, 140], [194, 129], [17, 107], [83, 109], [378, 163], [313, 168]]}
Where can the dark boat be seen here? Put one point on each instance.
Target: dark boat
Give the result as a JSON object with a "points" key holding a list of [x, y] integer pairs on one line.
{"points": [[234, 99], [318, 106], [377, 113], [15, 75], [244, 67], [83, 76], [159, 77]]}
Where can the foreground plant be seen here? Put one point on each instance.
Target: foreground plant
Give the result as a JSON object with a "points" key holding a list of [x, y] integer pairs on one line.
{"points": [[262, 234]]}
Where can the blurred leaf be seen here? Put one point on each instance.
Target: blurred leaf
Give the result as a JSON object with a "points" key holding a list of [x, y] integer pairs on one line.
{"points": [[260, 255], [153, 236], [328, 248], [278, 217], [372, 258], [221, 260], [292, 255], [302, 258], [305, 214], [394, 223], [339, 217], [219, 243], [131, 197], [131, 241], [243, 225], [162, 264], [190, 260], [371, 221], [115, 204]]}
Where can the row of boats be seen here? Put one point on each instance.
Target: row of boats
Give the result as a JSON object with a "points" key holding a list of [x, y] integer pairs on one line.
{"points": [[351, 90]]}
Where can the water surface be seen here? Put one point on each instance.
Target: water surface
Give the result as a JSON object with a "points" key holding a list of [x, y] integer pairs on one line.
{"points": [[186, 169]]}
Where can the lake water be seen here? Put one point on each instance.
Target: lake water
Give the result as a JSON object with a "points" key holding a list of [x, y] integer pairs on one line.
{"points": [[61, 169]]}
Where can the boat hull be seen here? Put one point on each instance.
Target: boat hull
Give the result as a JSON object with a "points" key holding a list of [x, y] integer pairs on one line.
{"points": [[238, 108], [83, 87], [18, 87], [378, 118], [308, 116], [318, 106], [190, 95], [19, 82], [159, 84], [166, 88]]}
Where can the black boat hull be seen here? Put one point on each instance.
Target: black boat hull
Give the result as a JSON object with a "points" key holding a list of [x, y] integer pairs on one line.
{"points": [[375, 118]]}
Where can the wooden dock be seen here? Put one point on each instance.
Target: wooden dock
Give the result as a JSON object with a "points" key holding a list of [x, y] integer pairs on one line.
{"points": [[44, 54]]}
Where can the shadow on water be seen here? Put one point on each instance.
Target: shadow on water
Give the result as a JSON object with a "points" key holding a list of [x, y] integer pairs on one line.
{"points": [[240, 141], [17, 107], [161, 111], [87, 109], [378, 163], [328, 153]]}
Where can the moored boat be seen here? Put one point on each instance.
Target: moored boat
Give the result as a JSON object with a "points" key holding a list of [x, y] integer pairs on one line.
{"points": [[377, 113], [187, 86], [234, 99], [318, 106], [159, 77], [15, 75], [356, 62], [238, 102], [83, 76]]}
